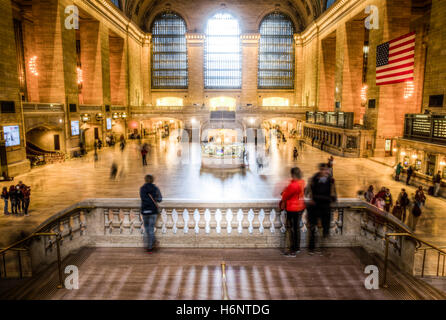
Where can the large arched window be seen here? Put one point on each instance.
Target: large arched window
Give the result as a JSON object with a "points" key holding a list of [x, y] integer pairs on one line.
{"points": [[169, 52], [276, 52], [222, 63]]}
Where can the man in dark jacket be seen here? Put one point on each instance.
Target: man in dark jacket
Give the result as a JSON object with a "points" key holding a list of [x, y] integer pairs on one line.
{"points": [[150, 195], [323, 193]]}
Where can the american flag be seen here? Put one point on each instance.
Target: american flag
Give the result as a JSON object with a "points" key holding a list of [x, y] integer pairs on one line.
{"points": [[395, 60]]}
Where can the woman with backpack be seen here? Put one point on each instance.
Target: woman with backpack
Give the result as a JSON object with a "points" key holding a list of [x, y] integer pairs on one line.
{"points": [[415, 214]]}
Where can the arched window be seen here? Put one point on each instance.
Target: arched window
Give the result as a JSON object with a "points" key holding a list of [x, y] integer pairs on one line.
{"points": [[276, 52], [222, 63], [169, 52]]}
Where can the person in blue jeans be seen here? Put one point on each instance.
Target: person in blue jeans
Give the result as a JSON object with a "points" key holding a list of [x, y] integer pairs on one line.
{"points": [[150, 197]]}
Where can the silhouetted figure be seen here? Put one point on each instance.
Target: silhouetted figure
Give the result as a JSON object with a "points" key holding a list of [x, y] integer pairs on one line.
{"points": [[409, 174], [323, 193], [295, 154], [114, 170]]}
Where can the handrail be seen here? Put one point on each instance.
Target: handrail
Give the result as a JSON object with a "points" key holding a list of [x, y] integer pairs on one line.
{"points": [[223, 279], [37, 234], [419, 241]]}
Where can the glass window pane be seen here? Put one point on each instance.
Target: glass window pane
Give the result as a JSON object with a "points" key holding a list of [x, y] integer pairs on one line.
{"points": [[169, 52], [276, 52], [222, 63]]}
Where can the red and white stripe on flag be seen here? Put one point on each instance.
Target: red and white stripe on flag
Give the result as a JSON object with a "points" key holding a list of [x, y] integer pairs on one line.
{"points": [[400, 61]]}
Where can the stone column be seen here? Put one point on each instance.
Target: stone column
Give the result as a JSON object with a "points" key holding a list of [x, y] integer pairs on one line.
{"points": [[91, 61], [327, 74], [16, 158], [146, 66], [298, 71], [195, 56], [435, 81], [250, 48]]}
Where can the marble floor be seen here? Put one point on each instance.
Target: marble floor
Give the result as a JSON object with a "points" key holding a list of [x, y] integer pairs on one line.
{"points": [[56, 186]]}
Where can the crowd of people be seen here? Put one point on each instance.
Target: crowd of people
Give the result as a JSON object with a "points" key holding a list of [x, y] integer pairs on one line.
{"points": [[406, 209], [19, 197]]}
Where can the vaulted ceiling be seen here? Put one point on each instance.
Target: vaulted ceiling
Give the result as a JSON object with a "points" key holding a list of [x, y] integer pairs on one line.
{"points": [[303, 12]]}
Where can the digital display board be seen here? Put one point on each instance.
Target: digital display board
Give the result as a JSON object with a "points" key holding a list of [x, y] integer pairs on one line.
{"points": [[109, 123], [75, 127], [11, 135]]}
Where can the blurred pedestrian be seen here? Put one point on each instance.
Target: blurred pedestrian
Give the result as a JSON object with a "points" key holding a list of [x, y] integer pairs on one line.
{"points": [[409, 174], [437, 183], [114, 170], [420, 198], [144, 151], [26, 199], [322, 193], [398, 169], [369, 195], [5, 197], [13, 199], [150, 197], [415, 214], [293, 200], [404, 201], [19, 199], [388, 201], [295, 154]]}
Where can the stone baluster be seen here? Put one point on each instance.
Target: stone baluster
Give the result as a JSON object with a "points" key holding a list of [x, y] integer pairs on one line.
{"points": [[229, 217], [164, 221], [186, 221], [272, 218], [283, 221], [126, 224], [82, 222], [197, 220], [116, 222], [136, 221], [107, 221], [218, 220], [207, 218], [240, 220], [175, 220], [261, 219], [250, 220]]}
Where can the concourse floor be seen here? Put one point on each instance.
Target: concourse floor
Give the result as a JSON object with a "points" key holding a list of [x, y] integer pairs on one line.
{"points": [[56, 186]]}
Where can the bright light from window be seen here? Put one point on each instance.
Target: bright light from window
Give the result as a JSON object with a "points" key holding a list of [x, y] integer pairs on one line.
{"points": [[169, 101], [226, 103], [223, 61], [275, 101]]}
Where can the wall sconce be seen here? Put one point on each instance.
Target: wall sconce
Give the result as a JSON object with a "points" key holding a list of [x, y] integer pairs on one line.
{"points": [[252, 120], [115, 115], [403, 153], [99, 116], [414, 156], [123, 115], [193, 120], [442, 163], [394, 149], [32, 64]]}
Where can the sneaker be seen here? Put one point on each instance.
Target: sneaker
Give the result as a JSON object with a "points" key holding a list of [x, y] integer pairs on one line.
{"points": [[311, 252], [290, 255], [149, 251]]}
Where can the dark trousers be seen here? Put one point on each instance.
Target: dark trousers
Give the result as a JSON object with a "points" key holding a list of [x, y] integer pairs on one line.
{"points": [[26, 205], [408, 179], [144, 160], [315, 213], [293, 219], [13, 206]]}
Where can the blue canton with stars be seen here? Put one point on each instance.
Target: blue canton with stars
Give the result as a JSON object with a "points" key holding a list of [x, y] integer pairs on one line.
{"points": [[382, 54]]}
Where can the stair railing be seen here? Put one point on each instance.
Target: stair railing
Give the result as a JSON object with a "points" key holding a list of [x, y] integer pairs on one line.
{"points": [[19, 247], [420, 242]]}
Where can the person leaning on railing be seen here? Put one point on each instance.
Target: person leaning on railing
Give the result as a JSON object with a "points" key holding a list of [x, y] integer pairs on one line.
{"points": [[150, 196], [293, 202]]}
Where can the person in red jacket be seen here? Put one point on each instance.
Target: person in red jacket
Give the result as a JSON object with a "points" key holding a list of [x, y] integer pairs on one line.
{"points": [[293, 198]]}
